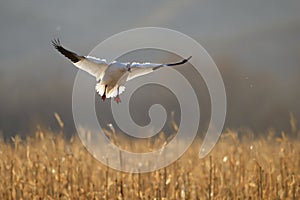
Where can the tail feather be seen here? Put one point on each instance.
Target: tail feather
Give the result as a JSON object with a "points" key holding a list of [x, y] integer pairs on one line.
{"points": [[113, 92], [100, 89]]}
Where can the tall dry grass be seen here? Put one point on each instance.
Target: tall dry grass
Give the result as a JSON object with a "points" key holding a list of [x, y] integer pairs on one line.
{"points": [[48, 166]]}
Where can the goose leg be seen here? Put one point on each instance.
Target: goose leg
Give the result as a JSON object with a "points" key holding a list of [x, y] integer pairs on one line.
{"points": [[104, 94], [117, 98]]}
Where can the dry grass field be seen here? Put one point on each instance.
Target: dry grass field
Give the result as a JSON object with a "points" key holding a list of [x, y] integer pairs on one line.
{"points": [[48, 166]]}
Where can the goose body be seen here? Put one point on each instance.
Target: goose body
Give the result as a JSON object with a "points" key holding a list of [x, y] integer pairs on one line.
{"points": [[111, 77]]}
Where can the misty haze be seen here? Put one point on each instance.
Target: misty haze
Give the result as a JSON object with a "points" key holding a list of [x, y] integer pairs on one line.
{"points": [[256, 49]]}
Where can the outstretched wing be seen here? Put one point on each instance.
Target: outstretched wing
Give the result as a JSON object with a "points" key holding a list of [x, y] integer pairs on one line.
{"points": [[140, 69], [92, 65]]}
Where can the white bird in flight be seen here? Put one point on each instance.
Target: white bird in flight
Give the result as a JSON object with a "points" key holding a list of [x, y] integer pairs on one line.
{"points": [[111, 77]]}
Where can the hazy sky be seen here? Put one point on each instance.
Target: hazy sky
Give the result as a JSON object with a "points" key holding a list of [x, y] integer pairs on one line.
{"points": [[259, 36], [26, 25]]}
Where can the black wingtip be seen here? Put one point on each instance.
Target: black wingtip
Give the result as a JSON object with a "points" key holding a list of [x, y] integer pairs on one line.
{"points": [[188, 58], [56, 43], [69, 54], [185, 60], [180, 63]]}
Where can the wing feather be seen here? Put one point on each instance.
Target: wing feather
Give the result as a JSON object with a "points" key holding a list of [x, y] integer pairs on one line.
{"points": [[140, 69], [94, 66]]}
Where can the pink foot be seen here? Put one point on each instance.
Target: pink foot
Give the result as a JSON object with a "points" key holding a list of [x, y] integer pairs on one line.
{"points": [[103, 97], [117, 99]]}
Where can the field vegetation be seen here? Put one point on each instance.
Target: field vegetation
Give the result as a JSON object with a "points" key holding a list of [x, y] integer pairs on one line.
{"points": [[46, 165]]}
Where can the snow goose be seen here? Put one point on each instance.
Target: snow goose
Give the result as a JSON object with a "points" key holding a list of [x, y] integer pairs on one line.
{"points": [[111, 77]]}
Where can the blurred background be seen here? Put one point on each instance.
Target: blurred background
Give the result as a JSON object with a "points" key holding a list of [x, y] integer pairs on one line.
{"points": [[255, 45]]}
